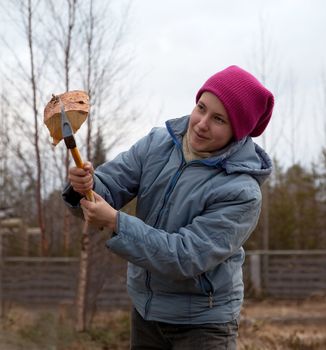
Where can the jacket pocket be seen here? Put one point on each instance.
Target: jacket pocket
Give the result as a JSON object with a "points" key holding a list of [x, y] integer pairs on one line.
{"points": [[205, 284]]}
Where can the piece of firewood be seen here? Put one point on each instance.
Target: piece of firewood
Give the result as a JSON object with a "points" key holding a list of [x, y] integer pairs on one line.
{"points": [[76, 105]]}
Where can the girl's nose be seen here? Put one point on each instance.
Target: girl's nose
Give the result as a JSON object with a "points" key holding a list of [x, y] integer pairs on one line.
{"points": [[203, 123]]}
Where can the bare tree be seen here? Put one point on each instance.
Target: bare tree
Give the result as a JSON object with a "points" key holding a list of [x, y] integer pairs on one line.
{"points": [[30, 98], [4, 138], [262, 66], [92, 58], [323, 104], [101, 66], [61, 34], [83, 43], [33, 83], [264, 63]]}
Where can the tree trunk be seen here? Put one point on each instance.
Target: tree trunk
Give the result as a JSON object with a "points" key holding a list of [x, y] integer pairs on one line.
{"points": [[81, 298], [38, 187]]}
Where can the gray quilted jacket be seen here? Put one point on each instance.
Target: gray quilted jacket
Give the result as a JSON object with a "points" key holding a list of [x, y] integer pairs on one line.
{"points": [[184, 247]]}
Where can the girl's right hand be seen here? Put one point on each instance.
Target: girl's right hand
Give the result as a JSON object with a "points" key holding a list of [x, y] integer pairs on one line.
{"points": [[81, 179]]}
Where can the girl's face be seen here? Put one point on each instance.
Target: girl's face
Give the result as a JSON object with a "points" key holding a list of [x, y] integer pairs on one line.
{"points": [[209, 126]]}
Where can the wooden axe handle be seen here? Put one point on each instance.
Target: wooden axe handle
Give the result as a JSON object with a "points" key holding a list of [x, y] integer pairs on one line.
{"points": [[79, 163]]}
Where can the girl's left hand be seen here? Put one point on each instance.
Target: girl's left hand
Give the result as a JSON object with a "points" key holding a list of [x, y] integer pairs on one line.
{"points": [[99, 213]]}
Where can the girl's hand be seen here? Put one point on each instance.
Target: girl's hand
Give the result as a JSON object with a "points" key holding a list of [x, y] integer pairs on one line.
{"points": [[82, 179], [99, 213]]}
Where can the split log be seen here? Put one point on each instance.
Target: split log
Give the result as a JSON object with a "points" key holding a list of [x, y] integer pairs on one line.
{"points": [[76, 105]]}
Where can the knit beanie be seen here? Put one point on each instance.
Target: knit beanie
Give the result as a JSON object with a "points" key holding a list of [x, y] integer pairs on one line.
{"points": [[248, 103]]}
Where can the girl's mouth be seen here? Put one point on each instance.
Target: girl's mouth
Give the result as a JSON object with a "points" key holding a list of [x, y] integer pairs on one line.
{"points": [[200, 136]]}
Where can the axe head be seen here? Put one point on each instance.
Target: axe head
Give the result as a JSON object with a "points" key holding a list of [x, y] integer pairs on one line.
{"points": [[66, 129]]}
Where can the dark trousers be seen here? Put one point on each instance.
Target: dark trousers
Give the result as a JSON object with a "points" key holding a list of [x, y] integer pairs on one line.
{"points": [[151, 335]]}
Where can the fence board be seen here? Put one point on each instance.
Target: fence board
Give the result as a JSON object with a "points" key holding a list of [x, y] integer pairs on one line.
{"points": [[53, 280], [294, 273]]}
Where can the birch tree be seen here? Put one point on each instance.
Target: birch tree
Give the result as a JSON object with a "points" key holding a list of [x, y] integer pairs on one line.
{"points": [[90, 60], [28, 99], [78, 45], [262, 67]]}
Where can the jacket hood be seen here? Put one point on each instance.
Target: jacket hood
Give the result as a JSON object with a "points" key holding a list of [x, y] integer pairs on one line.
{"points": [[243, 156]]}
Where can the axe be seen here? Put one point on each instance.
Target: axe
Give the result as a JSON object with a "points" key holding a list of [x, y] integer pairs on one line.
{"points": [[69, 139], [62, 126]]}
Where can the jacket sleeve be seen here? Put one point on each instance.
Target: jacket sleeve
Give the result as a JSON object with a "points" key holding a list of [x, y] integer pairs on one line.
{"points": [[208, 240], [117, 181]]}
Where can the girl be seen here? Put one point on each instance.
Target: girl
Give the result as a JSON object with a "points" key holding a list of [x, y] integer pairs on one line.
{"points": [[197, 184]]}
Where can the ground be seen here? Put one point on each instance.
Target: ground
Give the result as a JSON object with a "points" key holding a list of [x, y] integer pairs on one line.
{"points": [[279, 325], [265, 325]]}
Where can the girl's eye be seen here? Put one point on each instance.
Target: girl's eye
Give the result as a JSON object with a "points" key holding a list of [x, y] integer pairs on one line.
{"points": [[200, 107], [219, 120]]}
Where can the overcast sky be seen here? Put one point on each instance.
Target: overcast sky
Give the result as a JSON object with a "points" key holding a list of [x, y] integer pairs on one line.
{"points": [[178, 44]]}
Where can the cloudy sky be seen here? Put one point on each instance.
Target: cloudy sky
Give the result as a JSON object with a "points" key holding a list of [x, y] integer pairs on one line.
{"points": [[179, 44]]}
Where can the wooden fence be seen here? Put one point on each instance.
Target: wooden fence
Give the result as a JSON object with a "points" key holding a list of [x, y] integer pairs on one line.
{"points": [[286, 273], [54, 281], [28, 280]]}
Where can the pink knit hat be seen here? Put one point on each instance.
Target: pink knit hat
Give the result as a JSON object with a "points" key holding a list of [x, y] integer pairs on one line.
{"points": [[248, 103]]}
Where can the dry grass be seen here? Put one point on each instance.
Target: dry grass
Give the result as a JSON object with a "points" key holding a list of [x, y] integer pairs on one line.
{"points": [[265, 325], [283, 325]]}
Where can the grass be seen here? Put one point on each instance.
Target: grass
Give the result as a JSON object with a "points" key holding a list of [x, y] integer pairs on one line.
{"points": [[264, 326], [45, 330]]}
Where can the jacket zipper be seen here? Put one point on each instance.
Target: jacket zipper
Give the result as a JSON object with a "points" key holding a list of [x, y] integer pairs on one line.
{"points": [[170, 189], [209, 291], [210, 300], [171, 186], [148, 286], [210, 294], [166, 197]]}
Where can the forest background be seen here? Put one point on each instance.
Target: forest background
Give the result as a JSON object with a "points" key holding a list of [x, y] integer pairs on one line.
{"points": [[141, 64]]}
